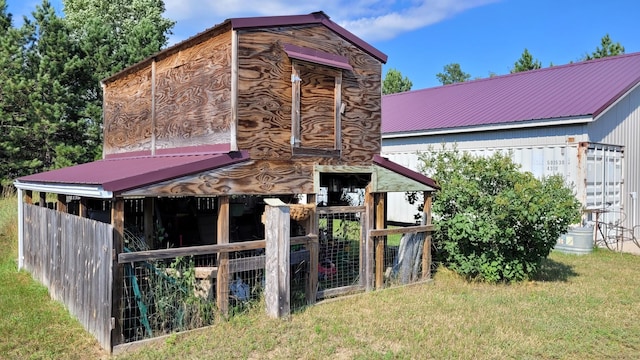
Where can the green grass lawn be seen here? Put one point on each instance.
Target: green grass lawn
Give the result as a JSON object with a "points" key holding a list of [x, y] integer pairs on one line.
{"points": [[578, 307]]}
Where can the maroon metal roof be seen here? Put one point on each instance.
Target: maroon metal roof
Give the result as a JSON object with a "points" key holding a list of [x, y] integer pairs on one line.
{"points": [[397, 168], [125, 173], [579, 89], [317, 56], [319, 18]]}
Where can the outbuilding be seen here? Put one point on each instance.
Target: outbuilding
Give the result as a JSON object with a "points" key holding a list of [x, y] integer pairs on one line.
{"points": [[580, 120], [215, 151]]}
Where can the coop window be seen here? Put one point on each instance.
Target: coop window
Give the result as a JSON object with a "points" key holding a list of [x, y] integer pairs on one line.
{"points": [[316, 110]]}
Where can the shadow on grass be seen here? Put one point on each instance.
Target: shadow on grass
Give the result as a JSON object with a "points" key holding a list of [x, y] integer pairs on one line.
{"points": [[551, 270]]}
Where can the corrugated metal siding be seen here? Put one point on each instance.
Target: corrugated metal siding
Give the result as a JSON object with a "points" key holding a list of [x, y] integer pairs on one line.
{"points": [[594, 172], [621, 125]]}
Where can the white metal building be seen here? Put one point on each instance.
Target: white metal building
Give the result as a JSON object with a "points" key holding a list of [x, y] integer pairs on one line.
{"points": [[580, 120]]}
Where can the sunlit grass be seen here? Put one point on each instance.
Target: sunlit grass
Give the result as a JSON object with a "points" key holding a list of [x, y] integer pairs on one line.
{"points": [[578, 307]]}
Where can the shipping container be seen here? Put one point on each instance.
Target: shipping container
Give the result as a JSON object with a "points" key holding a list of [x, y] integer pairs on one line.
{"points": [[595, 171]]}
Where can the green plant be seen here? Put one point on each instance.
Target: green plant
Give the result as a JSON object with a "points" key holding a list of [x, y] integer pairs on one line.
{"points": [[491, 221]]}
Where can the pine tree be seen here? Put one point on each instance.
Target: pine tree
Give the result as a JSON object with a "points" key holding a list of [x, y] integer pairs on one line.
{"points": [[526, 63], [608, 48], [452, 74]]}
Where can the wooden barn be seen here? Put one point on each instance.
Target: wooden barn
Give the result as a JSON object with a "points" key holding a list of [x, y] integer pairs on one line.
{"points": [[241, 163]]}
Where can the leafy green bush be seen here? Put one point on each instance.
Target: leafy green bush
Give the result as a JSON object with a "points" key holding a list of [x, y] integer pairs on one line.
{"points": [[493, 222]]}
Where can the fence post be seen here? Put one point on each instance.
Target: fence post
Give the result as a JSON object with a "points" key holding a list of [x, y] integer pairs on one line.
{"points": [[277, 288], [380, 241], [117, 221], [314, 248], [426, 249], [369, 203], [222, 279]]}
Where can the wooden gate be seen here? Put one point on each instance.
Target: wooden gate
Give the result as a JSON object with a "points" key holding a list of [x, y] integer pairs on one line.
{"points": [[341, 251]]}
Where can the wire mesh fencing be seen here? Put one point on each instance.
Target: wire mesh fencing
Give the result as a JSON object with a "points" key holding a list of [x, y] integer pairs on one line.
{"points": [[339, 254], [172, 295], [400, 258]]}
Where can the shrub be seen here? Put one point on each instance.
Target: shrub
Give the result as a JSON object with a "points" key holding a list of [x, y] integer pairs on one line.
{"points": [[491, 221]]}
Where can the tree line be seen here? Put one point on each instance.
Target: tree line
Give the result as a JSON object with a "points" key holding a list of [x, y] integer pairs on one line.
{"points": [[50, 95], [452, 73]]}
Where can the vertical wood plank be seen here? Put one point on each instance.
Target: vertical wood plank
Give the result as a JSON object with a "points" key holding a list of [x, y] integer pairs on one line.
{"points": [[380, 204], [117, 221], [21, 202], [82, 210], [295, 105], [234, 91], [153, 107], [338, 114], [370, 221], [426, 249], [277, 263], [314, 248], [222, 280], [61, 205]]}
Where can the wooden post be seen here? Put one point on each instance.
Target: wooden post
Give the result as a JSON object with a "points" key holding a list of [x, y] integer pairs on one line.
{"points": [[28, 197], [369, 203], [314, 248], [426, 249], [43, 199], [277, 263], [380, 241], [82, 210], [222, 279], [61, 205], [148, 221], [21, 202], [117, 221]]}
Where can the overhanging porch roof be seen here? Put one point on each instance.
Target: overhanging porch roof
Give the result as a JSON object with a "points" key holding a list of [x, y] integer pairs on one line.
{"points": [[108, 177]]}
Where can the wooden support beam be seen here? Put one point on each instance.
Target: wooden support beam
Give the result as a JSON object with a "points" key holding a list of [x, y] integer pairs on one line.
{"points": [[277, 268], [401, 230], [83, 209], [311, 291], [148, 221], [426, 249], [380, 241], [117, 221], [28, 197], [43, 199], [61, 205], [222, 278], [369, 244]]}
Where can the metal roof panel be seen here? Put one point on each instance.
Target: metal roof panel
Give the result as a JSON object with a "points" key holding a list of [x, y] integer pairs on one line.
{"points": [[124, 173], [573, 90]]}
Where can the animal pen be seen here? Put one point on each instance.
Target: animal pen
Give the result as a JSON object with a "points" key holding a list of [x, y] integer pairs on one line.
{"points": [[240, 167]]}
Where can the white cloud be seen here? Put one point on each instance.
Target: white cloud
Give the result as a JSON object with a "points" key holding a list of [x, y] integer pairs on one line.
{"points": [[371, 20]]}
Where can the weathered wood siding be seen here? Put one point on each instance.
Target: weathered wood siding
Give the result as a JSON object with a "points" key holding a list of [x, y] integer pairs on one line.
{"points": [[71, 256], [192, 100], [251, 178], [127, 113], [265, 97]]}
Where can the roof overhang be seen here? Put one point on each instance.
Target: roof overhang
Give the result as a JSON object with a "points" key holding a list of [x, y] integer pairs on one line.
{"points": [[92, 191], [317, 56], [493, 127], [111, 177]]}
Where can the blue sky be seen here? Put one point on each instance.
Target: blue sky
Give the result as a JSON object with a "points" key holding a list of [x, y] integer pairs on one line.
{"points": [[422, 36]]}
